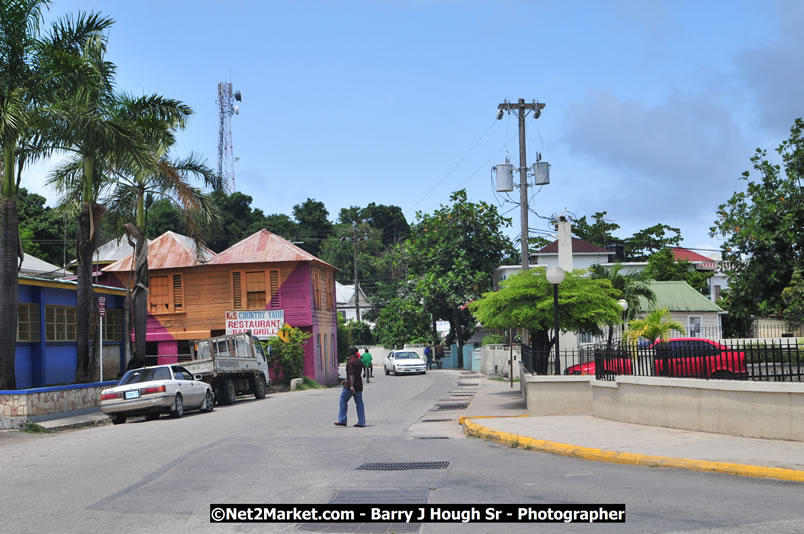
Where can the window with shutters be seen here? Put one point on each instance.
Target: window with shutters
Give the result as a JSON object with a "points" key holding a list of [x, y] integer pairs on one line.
{"points": [[166, 294], [178, 294], [273, 277], [28, 328], [331, 291], [316, 288], [237, 295], [255, 290], [159, 298]]}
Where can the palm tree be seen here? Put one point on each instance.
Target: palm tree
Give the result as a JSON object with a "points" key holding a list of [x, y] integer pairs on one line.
{"points": [[101, 140], [27, 85], [137, 186], [632, 286], [657, 325]]}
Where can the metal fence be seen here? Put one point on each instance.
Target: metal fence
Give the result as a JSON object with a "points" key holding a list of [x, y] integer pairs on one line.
{"points": [[778, 361], [755, 331]]}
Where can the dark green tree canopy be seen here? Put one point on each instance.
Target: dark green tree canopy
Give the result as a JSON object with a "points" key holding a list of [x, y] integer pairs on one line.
{"points": [[645, 242], [663, 266], [763, 229], [598, 232]]}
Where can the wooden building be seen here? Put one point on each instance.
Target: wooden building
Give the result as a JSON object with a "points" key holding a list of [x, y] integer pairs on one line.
{"points": [[191, 294]]}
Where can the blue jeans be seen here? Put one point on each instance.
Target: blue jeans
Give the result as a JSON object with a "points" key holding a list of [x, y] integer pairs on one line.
{"points": [[346, 394]]}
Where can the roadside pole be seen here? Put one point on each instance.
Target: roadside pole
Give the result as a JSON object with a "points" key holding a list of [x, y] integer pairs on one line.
{"points": [[101, 313]]}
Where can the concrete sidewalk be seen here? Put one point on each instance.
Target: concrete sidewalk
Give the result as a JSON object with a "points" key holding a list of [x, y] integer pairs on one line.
{"points": [[496, 413]]}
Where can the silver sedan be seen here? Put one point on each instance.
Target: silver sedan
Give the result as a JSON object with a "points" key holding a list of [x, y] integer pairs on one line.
{"points": [[152, 391]]}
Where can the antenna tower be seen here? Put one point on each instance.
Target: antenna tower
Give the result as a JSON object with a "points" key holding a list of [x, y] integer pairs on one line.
{"points": [[227, 108]]}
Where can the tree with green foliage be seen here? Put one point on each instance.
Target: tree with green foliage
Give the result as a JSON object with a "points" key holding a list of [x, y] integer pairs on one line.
{"points": [[793, 298], [313, 225], [344, 339], [402, 321], [451, 255], [663, 266], [656, 325], [286, 359], [525, 300], [645, 243], [31, 82], [599, 232], [763, 230], [361, 333], [631, 286], [45, 232], [239, 219]]}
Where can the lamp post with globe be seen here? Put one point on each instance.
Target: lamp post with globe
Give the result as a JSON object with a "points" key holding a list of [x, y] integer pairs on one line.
{"points": [[624, 305]]}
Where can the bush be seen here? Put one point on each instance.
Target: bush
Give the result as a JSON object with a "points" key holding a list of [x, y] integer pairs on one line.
{"points": [[361, 333], [287, 359]]}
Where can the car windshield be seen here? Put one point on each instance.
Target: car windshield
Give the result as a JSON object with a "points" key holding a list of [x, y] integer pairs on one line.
{"points": [[135, 376], [406, 356]]}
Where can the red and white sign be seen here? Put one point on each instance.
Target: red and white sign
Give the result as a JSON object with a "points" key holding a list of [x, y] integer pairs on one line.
{"points": [[102, 306], [262, 323]]}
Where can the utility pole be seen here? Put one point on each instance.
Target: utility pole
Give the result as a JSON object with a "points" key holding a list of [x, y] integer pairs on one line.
{"points": [[521, 110], [357, 290]]}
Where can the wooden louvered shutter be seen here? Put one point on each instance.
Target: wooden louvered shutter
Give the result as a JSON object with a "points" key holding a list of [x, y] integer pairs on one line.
{"points": [[274, 281], [237, 295], [178, 294]]}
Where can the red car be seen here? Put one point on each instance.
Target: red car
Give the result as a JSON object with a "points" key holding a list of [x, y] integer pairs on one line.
{"points": [[617, 366], [697, 358], [677, 357]]}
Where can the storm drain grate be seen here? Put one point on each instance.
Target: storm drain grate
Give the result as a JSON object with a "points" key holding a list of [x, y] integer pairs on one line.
{"points": [[462, 394], [436, 420], [468, 384], [402, 466], [453, 406], [433, 437], [410, 497]]}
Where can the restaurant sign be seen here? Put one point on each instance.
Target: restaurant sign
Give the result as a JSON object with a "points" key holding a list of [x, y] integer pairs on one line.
{"points": [[262, 323]]}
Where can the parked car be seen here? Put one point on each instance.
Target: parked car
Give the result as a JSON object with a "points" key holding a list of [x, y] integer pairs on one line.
{"points": [[404, 361], [677, 357], [698, 358], [617, 366], [152, 391]]}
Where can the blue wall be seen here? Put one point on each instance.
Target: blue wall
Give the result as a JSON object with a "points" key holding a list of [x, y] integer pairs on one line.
{"points": [[43, 364]]}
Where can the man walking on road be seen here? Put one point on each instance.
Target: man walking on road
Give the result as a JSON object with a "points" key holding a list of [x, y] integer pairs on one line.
{"points": [[352, 387]]}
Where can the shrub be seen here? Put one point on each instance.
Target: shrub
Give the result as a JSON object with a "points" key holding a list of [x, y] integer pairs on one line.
{"points": [[494, 339]]}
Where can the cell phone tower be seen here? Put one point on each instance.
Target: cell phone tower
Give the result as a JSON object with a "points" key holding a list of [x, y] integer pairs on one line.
{"points": [[227, 108]]}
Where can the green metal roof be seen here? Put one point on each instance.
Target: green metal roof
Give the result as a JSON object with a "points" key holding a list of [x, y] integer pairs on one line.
{"points": [[678, 297]]}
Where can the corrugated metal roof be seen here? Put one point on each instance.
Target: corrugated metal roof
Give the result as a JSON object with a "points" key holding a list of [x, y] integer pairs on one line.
{"points": [[168, 251], [693, 257], [678, 297], [578, 246], [263, 247]]}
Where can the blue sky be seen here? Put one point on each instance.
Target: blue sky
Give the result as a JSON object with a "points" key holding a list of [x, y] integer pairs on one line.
{"points": [[653, 108]]}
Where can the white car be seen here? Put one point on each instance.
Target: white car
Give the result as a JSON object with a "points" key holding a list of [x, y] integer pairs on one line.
{"points": [[152, 391], [404, 361]]}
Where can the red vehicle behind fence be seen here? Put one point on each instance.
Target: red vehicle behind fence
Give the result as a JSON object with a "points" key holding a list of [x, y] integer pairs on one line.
{"points": [[676, 357]]}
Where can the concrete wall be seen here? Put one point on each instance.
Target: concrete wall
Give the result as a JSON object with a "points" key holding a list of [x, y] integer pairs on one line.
{"points": [[557, 395], [772, 410], [17, 406], [494, 360]]}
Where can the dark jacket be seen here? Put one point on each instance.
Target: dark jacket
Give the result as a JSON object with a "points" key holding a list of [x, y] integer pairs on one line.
{"points": [[354, 374]]}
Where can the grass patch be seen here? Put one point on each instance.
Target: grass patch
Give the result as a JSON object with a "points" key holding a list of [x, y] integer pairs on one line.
{"points": [[33, 428], [309, 384]]}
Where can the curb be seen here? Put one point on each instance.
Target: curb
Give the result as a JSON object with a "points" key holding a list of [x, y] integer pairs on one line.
{"points": [[473, 429], [77, 424]]}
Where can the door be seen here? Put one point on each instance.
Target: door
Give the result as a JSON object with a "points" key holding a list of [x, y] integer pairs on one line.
{"points": [[262, 359], [184, 383]]}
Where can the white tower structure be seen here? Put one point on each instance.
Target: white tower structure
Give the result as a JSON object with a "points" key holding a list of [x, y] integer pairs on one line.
{"points": [[227, 108]]}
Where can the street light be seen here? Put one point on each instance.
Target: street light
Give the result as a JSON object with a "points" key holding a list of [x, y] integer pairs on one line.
{"points": [[555, 275], [624, 305]]}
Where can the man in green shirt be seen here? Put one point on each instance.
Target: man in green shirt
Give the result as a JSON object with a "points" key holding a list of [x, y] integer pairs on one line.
{"points": [[368, 370]]}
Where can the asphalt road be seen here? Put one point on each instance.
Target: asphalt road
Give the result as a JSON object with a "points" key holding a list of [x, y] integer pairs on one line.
{"points": [[161, 476]]}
